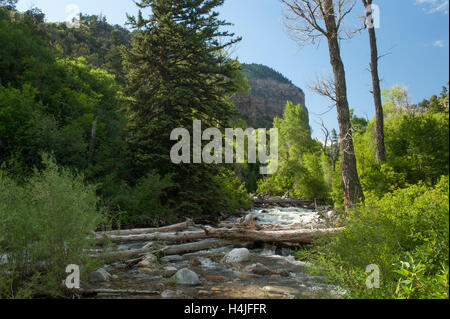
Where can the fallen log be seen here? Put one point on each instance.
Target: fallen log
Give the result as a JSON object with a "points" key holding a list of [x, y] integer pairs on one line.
{"points": [[282, 201], [121, 255], [259, 233], [93, 292], [179, 237], [166, 229], [300, 236], [192, 247]]}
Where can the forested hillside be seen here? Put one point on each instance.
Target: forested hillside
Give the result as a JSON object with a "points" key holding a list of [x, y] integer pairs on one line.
{"points": [[268, 95], [102, 44], [86, 136]]}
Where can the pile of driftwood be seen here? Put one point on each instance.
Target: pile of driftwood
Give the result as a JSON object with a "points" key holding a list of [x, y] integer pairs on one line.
{"points": [[176, 239]]}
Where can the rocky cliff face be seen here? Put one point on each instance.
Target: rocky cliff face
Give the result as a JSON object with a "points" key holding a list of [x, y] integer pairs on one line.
{"points": [[269, 93]]}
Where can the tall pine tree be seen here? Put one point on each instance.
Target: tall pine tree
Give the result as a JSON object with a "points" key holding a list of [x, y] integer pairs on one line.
{"points": [[178, 71]]}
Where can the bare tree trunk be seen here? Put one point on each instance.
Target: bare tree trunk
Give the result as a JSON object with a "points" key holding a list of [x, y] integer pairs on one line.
{"points": [[349, 175], [380, 150], [138, 231], [192, 247], [180, 237], [301, 236]]}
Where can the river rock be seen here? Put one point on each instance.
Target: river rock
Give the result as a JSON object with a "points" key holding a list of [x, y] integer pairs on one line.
{"points": [[172, 294], [279, 290], [148, 261], [202, 293], [186, 276], [215, 278], [236, 256], [100, 275], [259, 269], [194, 261], [169, 271], [144, 270]]}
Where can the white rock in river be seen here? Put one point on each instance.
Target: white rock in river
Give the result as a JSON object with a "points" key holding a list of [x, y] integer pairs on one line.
{"points": [[100, 275], [186, 277], [172, 294], [236, 256]]}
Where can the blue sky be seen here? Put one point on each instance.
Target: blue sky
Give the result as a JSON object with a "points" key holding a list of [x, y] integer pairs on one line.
{"points": [[413, 32]]}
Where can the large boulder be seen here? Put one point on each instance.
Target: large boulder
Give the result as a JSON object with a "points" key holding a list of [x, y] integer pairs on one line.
{"points": [[236, 256], [186, 276], [100, 275]]}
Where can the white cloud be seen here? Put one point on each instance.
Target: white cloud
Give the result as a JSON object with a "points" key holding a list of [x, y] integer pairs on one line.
{"points": [[433, 6], [439, 43]]}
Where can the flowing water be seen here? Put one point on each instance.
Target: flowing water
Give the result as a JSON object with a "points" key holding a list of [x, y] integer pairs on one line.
{"points": [[278, 274]]}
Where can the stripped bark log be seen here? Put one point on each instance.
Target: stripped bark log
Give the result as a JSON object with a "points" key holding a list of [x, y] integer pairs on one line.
{"points": [[123, 255], [274, 201], [281, 234], [94, 292], [192, 247], [171, 228], [178, 237], [301, 236]]}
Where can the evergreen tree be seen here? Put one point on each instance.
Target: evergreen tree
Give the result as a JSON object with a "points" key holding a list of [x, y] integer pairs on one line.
{"points": [[178, 71]]}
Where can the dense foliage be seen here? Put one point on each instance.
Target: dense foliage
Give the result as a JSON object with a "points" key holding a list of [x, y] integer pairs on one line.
{"points": [[403, 225], [260, 71], [103, 101], [45, 225], [175, 82], [100, 43], [405, 234], [300, 159]]}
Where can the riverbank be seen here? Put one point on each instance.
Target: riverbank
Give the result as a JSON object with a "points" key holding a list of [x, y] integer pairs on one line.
{"points": [[238, 270]]}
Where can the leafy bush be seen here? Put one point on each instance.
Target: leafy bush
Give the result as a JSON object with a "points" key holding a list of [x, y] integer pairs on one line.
{"points": [[44, 226], [234, 192], [144, 204], [301, 167], [417, 147], [406, 234]]}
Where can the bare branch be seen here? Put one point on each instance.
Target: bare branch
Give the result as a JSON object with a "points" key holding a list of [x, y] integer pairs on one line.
{"points": [[325, 86]]}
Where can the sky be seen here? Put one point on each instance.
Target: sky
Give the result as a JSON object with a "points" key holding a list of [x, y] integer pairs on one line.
{"points": [[413, 38]]}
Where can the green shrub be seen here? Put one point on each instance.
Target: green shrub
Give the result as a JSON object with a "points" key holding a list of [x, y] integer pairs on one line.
{"points": [[144, 204], [405, 234], [45, 226], [233, 190]]}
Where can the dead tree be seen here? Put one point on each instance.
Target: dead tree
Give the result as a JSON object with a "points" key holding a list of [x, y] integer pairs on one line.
{"points": [[309, 21], [376, 91]]}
